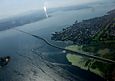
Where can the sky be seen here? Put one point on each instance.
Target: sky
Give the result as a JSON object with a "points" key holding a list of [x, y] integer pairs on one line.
{"points": [[14, 7]]}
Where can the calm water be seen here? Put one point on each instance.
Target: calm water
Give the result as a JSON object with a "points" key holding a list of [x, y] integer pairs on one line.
{"points": [[27, 65]]}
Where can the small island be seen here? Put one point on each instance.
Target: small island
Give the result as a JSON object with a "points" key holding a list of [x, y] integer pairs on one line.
{"points": [[94, 36]]}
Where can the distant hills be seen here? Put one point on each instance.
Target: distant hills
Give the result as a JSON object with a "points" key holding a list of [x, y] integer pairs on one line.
{"points": [[33, 16], [21, 20]]}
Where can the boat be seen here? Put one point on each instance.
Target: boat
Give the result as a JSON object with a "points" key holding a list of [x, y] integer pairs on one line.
{"points": [[4, 61]]}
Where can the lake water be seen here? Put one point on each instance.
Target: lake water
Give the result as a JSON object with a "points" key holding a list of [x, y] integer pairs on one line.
{"points": [[27, 65]]}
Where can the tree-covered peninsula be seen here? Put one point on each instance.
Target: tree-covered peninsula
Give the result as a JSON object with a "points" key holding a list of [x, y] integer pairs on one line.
{"points": [[93, 36]]}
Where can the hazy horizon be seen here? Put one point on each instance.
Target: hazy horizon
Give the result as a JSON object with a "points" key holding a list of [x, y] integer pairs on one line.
{"points": [[15, 7]]}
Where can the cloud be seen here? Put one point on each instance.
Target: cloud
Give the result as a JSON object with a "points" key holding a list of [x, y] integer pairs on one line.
{"points": [[14, 7], [60, 3]]}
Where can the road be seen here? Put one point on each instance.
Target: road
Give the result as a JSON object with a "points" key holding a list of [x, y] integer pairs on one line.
{"points": [[73, 52]]}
